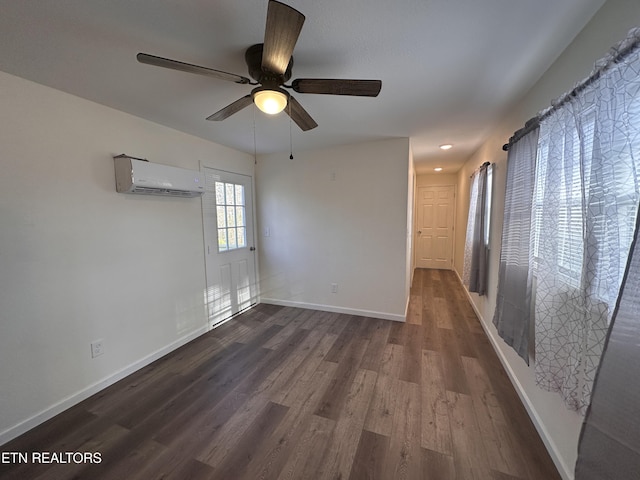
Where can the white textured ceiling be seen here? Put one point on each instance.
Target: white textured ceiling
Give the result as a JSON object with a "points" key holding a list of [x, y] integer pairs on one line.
{"points": [[449, 68]]}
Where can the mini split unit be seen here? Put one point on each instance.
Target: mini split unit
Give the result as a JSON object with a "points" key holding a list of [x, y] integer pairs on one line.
{"points": [[142, 177]]}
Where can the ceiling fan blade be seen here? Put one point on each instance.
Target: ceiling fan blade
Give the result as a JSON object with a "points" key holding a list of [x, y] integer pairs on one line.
{"points": [[328, 86], [300, 115], [281, 34], [229, 110], [187, 67]]}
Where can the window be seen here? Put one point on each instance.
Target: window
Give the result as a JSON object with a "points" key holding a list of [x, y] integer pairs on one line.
{"points": [[589, 196], [564, 209], [230, 214]]}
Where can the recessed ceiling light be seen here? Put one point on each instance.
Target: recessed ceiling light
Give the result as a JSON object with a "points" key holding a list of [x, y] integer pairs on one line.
{"points": [[438, 169], [446, 146]]}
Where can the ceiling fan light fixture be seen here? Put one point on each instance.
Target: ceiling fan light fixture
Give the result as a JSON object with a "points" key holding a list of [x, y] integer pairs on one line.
{"points": [[270, 101]]}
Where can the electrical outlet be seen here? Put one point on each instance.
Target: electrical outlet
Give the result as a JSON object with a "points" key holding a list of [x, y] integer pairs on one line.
{"points": [[97, 348], [334, 288]]}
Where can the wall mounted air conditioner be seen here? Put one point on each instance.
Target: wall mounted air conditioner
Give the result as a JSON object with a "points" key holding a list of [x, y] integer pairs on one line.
{"points": [[142, 177]]}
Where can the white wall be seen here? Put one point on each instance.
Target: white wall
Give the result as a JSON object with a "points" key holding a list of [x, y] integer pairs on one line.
{"points": [[433, 179], [558, 426], [336, 215], [80, 262]]}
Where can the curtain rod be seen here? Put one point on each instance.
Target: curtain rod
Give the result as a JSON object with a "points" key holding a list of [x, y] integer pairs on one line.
{"points": [[624, 49], [485, 164]]}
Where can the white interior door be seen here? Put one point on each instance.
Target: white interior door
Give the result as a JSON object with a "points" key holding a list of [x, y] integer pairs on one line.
{"points": [[435, 227], [229, 244]]}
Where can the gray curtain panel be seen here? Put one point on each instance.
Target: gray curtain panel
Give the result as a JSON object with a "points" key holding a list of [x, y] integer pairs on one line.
{"points": [[477, 253], [609, 447], [512, 316]]}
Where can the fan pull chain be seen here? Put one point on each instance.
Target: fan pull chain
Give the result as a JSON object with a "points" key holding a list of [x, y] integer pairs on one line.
{"points": [[290, 133]]}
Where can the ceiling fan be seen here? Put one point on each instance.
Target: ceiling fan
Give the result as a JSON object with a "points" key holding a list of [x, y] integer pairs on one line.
{"points": [[270, 65]]}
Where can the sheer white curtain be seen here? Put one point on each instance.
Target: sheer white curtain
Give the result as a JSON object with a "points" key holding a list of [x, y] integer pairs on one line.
{"points": [[471, 220], [585, 203]]}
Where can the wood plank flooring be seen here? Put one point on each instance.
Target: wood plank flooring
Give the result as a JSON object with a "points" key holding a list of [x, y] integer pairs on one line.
{"points": [[287, 393]]}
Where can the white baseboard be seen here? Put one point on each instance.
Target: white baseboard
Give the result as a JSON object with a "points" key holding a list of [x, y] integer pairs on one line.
{"points": [[334, 309], [563, 468], [59, 407]]}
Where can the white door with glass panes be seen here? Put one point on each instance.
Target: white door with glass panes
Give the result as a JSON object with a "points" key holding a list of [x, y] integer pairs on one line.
{"points": [[229, 244], [435, 212]]}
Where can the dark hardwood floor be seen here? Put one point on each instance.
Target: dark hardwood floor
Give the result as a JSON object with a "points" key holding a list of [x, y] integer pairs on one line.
{"points": [[287, 393]]}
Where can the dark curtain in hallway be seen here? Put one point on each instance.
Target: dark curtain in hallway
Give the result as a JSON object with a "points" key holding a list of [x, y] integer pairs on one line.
{"points": [[512, 316], [609, 445], [476, 247]]}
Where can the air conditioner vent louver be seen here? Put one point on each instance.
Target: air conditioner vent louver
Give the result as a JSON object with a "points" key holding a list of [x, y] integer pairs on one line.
{"points": [[145, 178], [160, 191]]}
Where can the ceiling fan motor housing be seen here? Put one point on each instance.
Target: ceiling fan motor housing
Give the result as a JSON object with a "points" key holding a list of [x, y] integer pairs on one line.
{"points": [[253, 57]]}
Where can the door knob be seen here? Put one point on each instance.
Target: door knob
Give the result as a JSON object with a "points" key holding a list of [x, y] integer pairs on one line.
{"points": [[252, 248]]}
